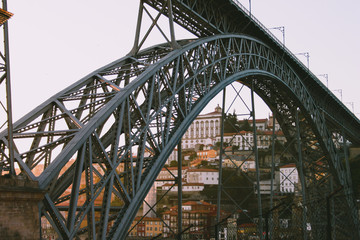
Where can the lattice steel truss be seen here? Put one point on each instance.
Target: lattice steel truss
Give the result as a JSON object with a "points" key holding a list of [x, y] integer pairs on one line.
{"points": [[6, 152], [107, 136]]}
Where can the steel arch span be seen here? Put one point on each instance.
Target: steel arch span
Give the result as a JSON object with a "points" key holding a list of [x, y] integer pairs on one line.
{"points": [[108, 135]]}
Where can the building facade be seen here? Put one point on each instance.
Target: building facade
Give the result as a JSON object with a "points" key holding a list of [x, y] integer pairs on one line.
{"points": [[196, 215], [204, 176], [203, 130], [146, 227], [289, 178]]}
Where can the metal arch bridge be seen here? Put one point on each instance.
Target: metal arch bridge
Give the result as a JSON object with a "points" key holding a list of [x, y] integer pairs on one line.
{"points": [[86, 136]]}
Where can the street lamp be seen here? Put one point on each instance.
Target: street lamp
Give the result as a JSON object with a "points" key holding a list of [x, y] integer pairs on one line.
{"points": [[307, 55], [250, 7], [281, 29], [326, 76], [352, 105], [339, 91]]}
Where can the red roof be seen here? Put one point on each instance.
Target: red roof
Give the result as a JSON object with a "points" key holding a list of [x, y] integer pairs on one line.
{"points": [[202, 170], [277, 133], [197, 203], [186, 184], [290, 165], [146, 218], [165, 179], [173, 168]]}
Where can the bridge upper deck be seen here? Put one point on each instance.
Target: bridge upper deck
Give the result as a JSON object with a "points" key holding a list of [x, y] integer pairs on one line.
{"points": [[210, 17]]}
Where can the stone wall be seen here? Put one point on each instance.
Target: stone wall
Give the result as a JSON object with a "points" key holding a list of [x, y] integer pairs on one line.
{"points": [[19, 199]]}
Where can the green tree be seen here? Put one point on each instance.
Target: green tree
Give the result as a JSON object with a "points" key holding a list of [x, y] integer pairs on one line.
{"points": [[193, 156], [234, 148], [217, 145], [235, 185], [173, 163], [204, 163], [245, 125], [231, 123]]}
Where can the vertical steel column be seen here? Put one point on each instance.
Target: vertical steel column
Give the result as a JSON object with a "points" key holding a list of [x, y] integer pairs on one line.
{"points": [[135, 48], [171, 25], [301, 173], [331, 211], [260, 229], [348, 188], [347, 164], [8, 94], [273, 137], [179, 183], [272, 178], [217, 229]]}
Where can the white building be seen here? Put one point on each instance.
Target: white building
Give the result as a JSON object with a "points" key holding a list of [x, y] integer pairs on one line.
{"points": [[248, 165], [186, 187], [206, 130], [203, 130], [245, 165], [173, 157], [205, 176], [166, 176], [170, 172], [289, 178], [265, 185], [243, 139]]}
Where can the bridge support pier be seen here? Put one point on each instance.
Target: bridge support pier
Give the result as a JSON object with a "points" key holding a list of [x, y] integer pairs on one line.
{"points": [[19, 208]]}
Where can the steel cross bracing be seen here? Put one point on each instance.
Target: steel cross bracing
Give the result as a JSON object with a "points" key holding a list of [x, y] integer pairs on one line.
{"points": [[206, 18], [133, 104], [108, 135]]}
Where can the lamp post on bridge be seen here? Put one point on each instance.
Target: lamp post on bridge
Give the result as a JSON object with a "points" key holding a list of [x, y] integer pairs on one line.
{"points": [[339, 91], [282, 30], [307, 55], [250, 7], [352, 105], [326, 76]]}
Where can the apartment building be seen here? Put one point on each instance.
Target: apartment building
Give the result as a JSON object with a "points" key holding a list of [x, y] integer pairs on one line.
{"points": [[289, 178]]}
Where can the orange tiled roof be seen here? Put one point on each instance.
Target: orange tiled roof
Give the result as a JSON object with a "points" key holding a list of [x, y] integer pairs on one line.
{"points": [[290, 165], [202, 170]]}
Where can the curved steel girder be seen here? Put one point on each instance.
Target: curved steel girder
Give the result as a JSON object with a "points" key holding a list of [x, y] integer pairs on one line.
{"points": [[148, 107], [205, 18]]}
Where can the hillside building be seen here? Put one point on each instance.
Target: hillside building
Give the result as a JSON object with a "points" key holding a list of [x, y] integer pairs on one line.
{"points": [[203, 130], [289, 178]]}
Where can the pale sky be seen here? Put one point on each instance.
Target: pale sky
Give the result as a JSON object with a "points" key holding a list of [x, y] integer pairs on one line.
{"points": [[55, 43]]}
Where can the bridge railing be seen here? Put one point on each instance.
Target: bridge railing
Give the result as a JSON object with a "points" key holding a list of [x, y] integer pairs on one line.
{"points": [[268, 32], [295, 58]]}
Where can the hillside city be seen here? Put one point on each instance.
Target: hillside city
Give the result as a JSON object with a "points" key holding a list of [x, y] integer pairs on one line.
{"points": [[200, 176], [201, 150]]}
